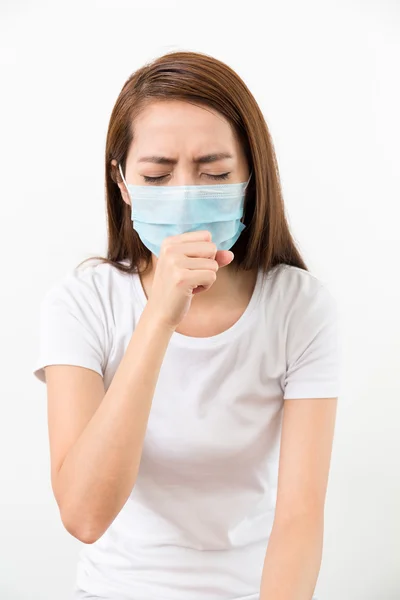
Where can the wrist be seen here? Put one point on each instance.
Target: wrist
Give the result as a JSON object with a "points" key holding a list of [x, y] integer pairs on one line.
{"points": [[155, 320]]}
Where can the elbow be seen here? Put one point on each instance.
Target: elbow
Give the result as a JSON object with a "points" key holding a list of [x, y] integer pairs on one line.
{"points": [[81, 529], [77, 522], [86, 523]]}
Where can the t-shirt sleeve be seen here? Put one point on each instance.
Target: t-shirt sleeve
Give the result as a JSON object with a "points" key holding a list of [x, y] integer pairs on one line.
{"points": [[71, 331], [313, 350]]}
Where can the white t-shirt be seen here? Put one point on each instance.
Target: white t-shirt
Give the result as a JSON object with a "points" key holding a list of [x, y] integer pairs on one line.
{"points": [[198, 520]]}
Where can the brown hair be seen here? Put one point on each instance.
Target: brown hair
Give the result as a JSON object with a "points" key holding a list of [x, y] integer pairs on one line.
{"points": [[200, 79]]}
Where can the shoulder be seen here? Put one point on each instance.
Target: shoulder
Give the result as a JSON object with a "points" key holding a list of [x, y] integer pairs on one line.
{"points": [[91, 282], [293, 283], [292, 290], [303, 313], [297, 304], [93, 293]]}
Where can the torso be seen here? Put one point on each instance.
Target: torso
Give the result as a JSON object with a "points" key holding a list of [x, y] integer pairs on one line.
{"points": [[197, 522]]}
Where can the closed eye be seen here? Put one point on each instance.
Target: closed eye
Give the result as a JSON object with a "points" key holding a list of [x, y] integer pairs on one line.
{"points": [[161, 178], [222, 176]]}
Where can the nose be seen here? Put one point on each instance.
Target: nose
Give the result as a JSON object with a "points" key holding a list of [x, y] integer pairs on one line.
{"points": [[183, 176]]}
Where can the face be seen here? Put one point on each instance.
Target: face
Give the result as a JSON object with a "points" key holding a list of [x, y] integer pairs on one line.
{"points": [[177, 143]]}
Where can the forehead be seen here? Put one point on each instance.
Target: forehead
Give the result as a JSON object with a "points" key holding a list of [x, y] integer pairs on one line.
{"points": [[175, 126]]}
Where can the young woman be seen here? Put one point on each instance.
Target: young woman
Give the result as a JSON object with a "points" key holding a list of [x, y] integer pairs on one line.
{"points": [[196, 363]]}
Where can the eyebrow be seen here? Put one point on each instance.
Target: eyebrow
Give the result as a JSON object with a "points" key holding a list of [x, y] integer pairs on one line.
{"points": [[206, 159]]}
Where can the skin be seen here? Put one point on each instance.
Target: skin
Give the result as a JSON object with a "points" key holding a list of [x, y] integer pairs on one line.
{"points": [[96, 437], [184, 133]]}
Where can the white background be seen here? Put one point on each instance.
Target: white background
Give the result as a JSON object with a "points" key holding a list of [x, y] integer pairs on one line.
{"points": [[326, 75]]}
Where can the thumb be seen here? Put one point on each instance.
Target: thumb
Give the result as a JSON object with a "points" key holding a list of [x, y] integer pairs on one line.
{"points": [[224, 257]]}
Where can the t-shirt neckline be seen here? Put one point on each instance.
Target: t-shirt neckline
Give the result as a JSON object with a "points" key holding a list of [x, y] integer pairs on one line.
{"points": [[228, 335]]}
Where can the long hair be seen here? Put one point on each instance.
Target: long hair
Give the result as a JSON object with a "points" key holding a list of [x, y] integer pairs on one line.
{"points": [[203, 80]]}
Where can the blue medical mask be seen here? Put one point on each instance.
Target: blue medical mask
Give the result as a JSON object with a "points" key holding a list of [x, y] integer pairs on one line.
{"points": [[161, 211]]}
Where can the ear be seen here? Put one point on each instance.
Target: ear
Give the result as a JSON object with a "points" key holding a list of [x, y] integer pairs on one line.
{"points": [[116, 176]]}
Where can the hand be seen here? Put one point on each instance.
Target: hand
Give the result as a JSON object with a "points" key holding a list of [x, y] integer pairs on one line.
{"points": [[188, 264]]}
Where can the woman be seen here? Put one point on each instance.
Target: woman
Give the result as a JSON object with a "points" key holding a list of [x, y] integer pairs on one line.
{"points": [[194, 364]]}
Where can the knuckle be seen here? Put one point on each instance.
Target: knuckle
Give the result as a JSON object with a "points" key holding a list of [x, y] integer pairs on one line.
{"points": [[215, 265], [166, 245], [178, 277], [170, 255], [167, 248]]}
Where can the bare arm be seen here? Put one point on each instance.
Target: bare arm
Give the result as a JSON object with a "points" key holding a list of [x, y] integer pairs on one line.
{"points": [[294, 550], [96, 440]]}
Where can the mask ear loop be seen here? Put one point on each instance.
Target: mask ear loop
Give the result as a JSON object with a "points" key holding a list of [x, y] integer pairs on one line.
{"points": [[248, 181], [122, 175], [126, 185], [245, 187]]}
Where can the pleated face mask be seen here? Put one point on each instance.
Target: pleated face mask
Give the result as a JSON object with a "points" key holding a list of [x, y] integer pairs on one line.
{"points": [[162, 211]]}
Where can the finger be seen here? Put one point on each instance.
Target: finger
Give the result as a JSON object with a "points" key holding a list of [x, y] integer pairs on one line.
{"points": [[195, 249], [200, 264], [191, 236], [194, 279], [224, 257]]}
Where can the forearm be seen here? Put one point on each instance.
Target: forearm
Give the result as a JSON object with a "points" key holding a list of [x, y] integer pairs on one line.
{"points": [[293, 559], [100, 469]]}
